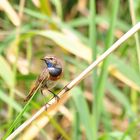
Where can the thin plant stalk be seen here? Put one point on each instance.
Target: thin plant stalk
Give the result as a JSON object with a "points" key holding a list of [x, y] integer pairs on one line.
{"points": [[133, 18], [92, 35], [98, 102], [134, 95], [93, 46], [63, 94], [16, 43]]}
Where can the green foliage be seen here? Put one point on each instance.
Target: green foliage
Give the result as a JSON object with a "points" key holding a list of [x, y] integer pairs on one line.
{"points": [[105, 106]]}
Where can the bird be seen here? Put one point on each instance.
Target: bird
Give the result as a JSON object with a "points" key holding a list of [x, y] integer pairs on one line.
{"points": [[49, 76]]}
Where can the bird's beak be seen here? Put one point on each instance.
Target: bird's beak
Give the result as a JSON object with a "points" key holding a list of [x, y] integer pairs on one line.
{"points": [[43, 59]]}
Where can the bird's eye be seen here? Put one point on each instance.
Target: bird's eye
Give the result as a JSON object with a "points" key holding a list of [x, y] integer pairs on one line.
{"points": [[51, 58]]}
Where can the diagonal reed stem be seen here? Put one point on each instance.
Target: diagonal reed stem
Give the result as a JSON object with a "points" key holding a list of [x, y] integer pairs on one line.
{"points": [[63, 94]]}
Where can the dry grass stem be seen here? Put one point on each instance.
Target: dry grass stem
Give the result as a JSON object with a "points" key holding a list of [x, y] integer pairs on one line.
{"points": [[63, 94]]}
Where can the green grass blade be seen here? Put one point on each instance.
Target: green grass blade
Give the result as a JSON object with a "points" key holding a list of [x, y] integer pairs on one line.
{"points": [[98, 102], [77, 134], [19, 116], [83, 111], [121, 98]]}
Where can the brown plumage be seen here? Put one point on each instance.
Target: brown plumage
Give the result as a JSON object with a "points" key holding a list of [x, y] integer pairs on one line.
{"points": [[49, 76]]}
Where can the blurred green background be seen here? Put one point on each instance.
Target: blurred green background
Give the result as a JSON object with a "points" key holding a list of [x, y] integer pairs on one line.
{"points": [[104, 106]]}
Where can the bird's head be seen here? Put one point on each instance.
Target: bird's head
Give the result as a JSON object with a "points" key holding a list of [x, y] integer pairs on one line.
{"points": [[50, 61], [54, 65]]}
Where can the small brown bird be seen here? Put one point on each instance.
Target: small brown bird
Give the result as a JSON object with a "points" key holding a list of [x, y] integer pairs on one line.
{"points": [[49, 76]]}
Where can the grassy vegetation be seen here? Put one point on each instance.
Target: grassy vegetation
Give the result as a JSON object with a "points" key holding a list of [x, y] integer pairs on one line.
{"points": [[105, 105]]}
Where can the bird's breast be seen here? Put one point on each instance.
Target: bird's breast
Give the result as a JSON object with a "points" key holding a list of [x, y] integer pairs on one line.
{"points": [[55, 73]]}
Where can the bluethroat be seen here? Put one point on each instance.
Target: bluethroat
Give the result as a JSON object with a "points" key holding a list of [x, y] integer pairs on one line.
{"points": [[49, 76]]}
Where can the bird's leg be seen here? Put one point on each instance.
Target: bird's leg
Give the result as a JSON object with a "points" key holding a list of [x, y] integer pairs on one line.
{"points": [[41, 90], [54, 95]]}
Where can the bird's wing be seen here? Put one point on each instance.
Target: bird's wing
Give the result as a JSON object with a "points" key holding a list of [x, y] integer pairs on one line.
{"points": [[43, 76]]}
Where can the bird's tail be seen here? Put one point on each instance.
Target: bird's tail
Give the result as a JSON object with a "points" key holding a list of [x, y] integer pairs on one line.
{"points": [[30, 94]]}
